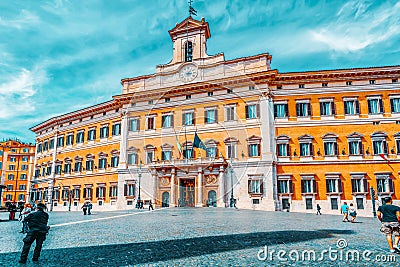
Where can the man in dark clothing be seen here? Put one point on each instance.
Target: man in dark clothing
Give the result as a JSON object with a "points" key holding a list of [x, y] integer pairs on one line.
{"points": [[38, 229], [389, 215], [89, 208]]}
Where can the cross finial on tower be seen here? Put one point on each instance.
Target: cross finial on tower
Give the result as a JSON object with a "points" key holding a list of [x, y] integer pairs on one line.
{"points": [[192, 11]]}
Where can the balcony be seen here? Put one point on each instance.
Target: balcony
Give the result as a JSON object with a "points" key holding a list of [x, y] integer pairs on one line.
{"points": [[209, 163]]}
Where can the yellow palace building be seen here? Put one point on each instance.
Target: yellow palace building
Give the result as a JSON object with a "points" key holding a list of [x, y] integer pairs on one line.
{"points": [[264, 139]]}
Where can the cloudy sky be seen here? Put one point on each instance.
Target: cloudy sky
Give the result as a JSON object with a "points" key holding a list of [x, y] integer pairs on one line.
{"points": [[57, 56]]}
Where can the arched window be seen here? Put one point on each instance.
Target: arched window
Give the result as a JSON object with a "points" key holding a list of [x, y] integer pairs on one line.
{"points": [[188, 51]]}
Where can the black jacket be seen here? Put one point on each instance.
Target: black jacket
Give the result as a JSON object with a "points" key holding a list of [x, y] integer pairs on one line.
{"points": [[37, 221]]}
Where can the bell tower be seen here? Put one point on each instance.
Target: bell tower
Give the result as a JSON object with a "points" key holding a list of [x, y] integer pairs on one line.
{"points": [[189, 40]]}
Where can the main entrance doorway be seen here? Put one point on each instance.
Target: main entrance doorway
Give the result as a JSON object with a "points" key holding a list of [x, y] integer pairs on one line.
{"points": [[165, 199], [186, 189]]}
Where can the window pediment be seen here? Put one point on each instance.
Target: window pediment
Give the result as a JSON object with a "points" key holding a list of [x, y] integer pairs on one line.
{"points": [[132, 149], [306, 137], [102, 155], [149, 147], [307, 176], [231, 140], [114, 152], [330, 136], [166, 147], [379, 134], [355, 135], [187, 144], [211, 143], [254, 138], [89, 156]]}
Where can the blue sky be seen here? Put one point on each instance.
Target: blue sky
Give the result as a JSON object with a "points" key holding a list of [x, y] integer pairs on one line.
{"points": [[61, 55]]}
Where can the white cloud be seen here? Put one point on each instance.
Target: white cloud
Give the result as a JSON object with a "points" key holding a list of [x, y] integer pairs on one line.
{"points": [[24, 19], [16, 95], [358, 27]]}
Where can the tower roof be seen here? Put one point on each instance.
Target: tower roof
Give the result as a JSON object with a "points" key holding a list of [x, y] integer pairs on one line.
{"points": [[189, 25]]}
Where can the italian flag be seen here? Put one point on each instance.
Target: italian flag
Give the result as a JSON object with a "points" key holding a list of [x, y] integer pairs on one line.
{"points": [[178, 145]]}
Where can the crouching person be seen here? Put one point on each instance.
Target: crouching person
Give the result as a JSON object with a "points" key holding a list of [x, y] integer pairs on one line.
{"points": [[37, 222]]}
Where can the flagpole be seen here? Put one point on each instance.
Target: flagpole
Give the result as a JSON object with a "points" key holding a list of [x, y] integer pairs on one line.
{"points": [[186, 150]]}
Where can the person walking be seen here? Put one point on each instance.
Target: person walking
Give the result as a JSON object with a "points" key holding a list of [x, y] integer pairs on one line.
{"points": [[89, 208], [150, 205], [37, 222], [389, 215], [22, 217], [318, 209], [84, 208], [344, 209], [352, 212]]}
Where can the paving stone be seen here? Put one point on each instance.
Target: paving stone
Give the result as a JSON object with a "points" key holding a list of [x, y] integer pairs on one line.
{"points": [[195, 237]]}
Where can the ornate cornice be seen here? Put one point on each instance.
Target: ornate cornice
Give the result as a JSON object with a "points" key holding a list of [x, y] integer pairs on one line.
{"points": [[78, 114], [336, 75]]}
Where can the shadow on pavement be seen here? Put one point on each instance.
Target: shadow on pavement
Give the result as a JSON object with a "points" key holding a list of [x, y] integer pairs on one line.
{"points": [[146, 252]]}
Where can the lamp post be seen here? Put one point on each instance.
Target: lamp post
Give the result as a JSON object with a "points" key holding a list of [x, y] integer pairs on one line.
{"points": [[372, 191], [232, 200], [139, 202]]}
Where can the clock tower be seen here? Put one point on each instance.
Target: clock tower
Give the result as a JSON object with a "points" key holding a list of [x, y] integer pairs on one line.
{"points": [[189, 40]]}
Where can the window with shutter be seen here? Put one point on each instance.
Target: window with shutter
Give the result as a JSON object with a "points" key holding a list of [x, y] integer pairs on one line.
{"points": [[381, 109]]}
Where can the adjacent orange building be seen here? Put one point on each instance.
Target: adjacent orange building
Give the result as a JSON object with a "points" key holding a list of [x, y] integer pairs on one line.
{"points": [[337, 135], [264, 139], [16, 168]]}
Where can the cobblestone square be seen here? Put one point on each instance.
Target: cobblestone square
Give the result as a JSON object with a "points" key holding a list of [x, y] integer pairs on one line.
{"points": [[202, 237]]}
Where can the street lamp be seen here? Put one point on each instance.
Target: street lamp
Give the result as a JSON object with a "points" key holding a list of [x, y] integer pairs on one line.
{"points": [[372, 191], [232, 200]]}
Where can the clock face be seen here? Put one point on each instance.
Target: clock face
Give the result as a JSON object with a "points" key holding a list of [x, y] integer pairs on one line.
{"points": [[188, 73]]}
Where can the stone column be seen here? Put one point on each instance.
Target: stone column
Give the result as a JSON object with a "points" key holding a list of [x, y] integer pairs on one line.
{"points": [[221, 188], [172, 193], [155, 188], [124, 141], [268, 145], [199, 187], [120, 189], [267, 127]]}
